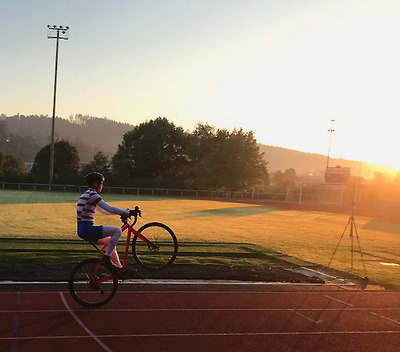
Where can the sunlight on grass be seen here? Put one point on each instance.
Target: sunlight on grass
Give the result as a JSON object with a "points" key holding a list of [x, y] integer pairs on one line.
{"points": [[308, 235]]}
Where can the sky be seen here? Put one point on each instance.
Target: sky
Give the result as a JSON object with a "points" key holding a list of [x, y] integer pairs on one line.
{"points": [[282, 69]]}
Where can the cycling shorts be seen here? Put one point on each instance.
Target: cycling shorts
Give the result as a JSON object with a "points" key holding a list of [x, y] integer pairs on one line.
{"points": [[89, 232]]}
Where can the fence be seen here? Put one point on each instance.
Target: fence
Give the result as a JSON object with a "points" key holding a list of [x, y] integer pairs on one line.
{"points": [[303, 194], [380, 202]]}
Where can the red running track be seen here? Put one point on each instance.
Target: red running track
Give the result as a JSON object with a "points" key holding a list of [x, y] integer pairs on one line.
{"points": [[203, 321]]}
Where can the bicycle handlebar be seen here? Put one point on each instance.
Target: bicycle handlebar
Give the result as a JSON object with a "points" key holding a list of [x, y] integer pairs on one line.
{"points": [[135, 213]]}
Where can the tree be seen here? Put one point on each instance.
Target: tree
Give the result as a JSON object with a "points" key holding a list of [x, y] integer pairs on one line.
{"points": [[100, 163], [202, 148], [1, 162], [66, 161], [152, 154], [285, 179], [289, 177], [13, 165], [278, 178], [225, 160], [3, 129]]}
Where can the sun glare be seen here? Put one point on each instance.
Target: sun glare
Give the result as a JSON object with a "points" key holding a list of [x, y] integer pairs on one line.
{"points": [[389, 264], [347, 69]]}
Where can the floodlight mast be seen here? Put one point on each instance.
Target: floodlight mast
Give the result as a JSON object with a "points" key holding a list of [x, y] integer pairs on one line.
{"points": [[331, 130], [55, 32]]}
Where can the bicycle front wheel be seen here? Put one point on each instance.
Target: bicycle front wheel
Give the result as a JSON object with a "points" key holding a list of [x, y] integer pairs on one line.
{"points": [[92, 284], [162, 250]]}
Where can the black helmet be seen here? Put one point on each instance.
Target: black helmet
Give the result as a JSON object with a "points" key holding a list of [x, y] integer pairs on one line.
{"points": [[93, 177]]}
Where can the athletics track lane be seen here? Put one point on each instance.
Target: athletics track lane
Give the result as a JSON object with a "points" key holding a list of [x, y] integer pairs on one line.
{"points": [[203, 321]]}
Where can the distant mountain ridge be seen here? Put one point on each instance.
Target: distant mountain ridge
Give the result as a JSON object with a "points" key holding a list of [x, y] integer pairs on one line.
{"points": [[91, 134], [310, 163]]}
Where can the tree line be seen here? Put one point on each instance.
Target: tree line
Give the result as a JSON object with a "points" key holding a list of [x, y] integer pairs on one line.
{"points": [[157, 153]]}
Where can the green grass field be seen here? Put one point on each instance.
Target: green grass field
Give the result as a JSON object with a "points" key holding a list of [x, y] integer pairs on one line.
{"points": [[208, 232]]}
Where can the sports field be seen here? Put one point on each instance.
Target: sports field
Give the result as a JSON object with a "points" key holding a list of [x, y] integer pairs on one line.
{"points": [[308, 236]]}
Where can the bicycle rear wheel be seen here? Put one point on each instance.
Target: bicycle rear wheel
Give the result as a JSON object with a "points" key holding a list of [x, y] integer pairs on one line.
{"points": [[92, 284], [164, 251]]}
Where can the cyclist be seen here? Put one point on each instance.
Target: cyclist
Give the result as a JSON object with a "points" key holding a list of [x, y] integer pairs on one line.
{"points": [[88, 203]]}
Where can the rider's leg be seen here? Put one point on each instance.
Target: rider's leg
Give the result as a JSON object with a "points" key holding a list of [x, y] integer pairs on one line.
{"points": [[114, 233], [114, 254]]}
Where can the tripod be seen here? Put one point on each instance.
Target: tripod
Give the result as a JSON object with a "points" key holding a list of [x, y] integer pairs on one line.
{"points": [[351, 223]]}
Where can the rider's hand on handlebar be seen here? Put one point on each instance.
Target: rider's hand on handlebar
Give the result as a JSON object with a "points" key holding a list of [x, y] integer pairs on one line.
{"points": [[124, 217], [135, 212]]}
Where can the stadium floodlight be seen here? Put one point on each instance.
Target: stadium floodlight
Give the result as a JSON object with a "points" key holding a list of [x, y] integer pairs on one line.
{"points": [[331, 130], [55, 33]]}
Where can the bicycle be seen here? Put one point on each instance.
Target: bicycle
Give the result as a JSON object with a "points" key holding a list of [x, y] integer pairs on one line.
{"points": [[92, 284]]}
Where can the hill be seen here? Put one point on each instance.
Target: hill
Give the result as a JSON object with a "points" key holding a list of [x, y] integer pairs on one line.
{"points": [[89, 134], [313, 165]]}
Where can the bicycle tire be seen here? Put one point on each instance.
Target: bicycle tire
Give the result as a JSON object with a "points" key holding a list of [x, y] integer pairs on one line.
{"points": [[86, 294], [165, 239]]}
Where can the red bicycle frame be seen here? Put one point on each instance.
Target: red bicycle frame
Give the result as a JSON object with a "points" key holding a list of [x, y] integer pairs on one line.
{"points": [[126, 226], [131, 231]]}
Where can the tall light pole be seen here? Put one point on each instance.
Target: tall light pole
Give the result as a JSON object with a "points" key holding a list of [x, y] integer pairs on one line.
{"points": [[55, 32], [330, 142]]}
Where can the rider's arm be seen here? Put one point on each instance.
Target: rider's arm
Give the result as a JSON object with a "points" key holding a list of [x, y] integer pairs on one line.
{"points": [[107, 209]]}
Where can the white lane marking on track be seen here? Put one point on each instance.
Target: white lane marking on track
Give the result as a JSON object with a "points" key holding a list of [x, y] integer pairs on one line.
{"points": [[386, 318], [339, 300], [90, 333], [306, 317], [367, 332]]}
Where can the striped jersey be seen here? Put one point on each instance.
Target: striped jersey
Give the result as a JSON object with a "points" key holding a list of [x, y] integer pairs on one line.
{"points": [[86, 206]]}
